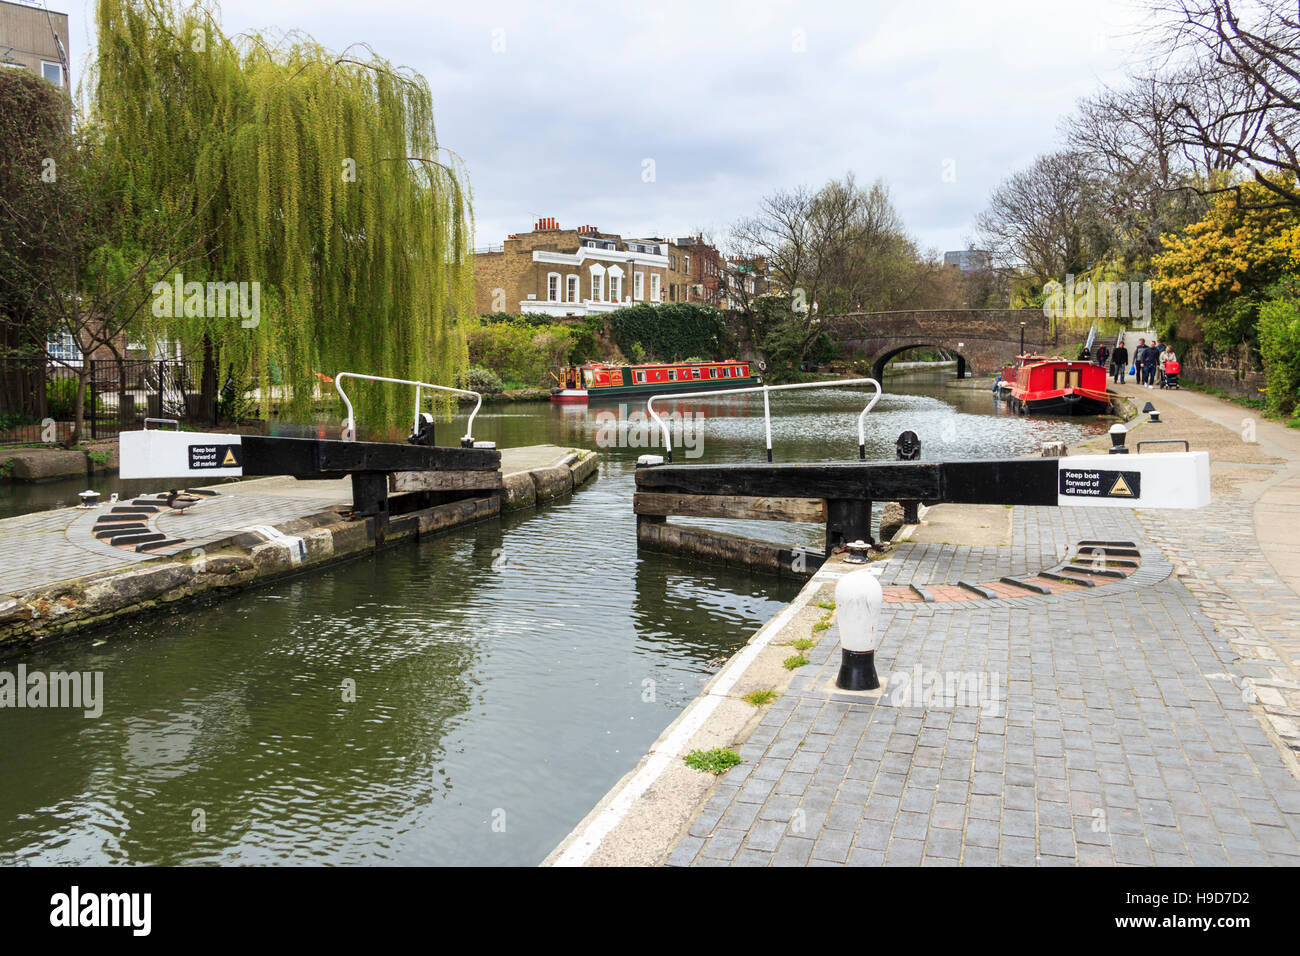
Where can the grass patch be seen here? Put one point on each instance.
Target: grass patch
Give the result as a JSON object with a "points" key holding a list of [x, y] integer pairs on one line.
{"points": [[820, 626], [760, 697], [716, 761], [826, 605], [797, 660], [803, 644]]}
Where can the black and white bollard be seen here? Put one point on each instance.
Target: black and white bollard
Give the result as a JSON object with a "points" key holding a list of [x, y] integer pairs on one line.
{"points": [[858, 599], [1118, 434]]}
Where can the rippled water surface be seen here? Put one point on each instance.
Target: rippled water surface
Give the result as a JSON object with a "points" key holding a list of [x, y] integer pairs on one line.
{"points": [[506, 674]]}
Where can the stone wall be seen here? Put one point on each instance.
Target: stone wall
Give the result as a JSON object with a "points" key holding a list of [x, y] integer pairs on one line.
{"points": [[1237, 371]]}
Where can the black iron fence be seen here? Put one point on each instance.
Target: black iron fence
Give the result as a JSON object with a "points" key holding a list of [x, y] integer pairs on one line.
{"points": [[122, 394], [37, 397]]}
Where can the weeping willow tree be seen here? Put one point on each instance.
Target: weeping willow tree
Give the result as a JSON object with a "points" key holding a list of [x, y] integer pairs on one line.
{"points": [[318, 176]]}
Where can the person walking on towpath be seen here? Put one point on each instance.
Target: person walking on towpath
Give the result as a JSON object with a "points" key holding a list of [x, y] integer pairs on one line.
{"points": [[1102, 354], [1119, 364], [1166, 356], [1152, 360]]}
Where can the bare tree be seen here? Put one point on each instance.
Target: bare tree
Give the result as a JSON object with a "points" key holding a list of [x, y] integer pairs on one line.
{"points": [[1043, 220], [1242, 106], [1140, 169]]}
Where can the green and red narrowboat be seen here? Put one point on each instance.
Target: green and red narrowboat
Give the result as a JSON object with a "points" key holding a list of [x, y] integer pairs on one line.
{"points": [[596, 381], [1037, 385]]}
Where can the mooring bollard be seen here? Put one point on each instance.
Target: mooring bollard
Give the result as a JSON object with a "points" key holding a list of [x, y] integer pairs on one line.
{"points": [[858, 599], [1118, 433], [908, 448]]}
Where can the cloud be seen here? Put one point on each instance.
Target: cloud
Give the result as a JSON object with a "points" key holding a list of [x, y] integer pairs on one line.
{"points": [[555, 107]]}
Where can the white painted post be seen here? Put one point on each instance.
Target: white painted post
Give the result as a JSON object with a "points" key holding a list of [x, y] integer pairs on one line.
{"points": [[767, 424], [858, 599]]}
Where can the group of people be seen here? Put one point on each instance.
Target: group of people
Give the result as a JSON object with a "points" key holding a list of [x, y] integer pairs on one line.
{"points": [[1147, 361]]}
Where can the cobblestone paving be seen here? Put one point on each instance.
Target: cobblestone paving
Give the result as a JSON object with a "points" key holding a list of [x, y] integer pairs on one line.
{"points": [[35, 549], [1108, 729], [1242, 595], [51, 546]]}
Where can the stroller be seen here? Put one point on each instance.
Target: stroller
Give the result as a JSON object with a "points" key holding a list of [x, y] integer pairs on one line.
{"points": [[1170, 377]]}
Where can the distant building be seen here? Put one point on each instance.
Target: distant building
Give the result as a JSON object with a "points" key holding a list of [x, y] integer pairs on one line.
{"points": [[697, 275], [557, 271], [35, 39], [968, 260]]}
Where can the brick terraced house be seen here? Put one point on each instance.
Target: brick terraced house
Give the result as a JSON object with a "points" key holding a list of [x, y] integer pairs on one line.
{"points": [[581, 271]]}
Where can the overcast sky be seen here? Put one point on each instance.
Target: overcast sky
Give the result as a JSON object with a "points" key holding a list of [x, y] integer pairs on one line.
{"points": [[557, 107]]}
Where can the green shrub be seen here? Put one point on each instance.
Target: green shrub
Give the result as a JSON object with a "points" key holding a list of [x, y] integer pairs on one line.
{"points": [[519, 350], [478, 379], [1279, 347], [669, 332], [61, 396], [585, 348]]}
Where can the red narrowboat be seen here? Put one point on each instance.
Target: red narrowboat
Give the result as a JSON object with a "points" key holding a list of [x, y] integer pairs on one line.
{"points": [[1037, 385], [583, 383]]}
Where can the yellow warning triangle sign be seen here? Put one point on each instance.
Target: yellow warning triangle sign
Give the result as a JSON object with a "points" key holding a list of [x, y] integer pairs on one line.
{"points": [[1121, 487], [230, 459]]}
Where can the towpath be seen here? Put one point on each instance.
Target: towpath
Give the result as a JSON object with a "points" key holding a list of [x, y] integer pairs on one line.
{"points": [[1150, 719]]}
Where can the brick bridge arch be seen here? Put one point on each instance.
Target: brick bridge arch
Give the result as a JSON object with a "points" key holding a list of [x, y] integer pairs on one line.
{"points": [[984, 340]]}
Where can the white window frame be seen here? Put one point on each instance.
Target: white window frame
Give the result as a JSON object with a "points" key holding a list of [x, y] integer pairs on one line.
{"points": [[639, 377], [655, 287], [638, 286], [572, 286], [615, 284], [552, 287], [597, 283], [57, 66], [62, 347]]}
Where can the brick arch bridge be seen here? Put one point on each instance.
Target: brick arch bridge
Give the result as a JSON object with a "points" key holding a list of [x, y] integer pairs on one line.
{"points": [[984, 340]]}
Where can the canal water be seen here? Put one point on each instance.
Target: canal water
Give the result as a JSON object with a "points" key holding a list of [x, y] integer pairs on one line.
{"points": [[463, 700]]}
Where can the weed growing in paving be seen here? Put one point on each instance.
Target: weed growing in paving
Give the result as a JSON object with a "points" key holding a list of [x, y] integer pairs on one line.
{"points": [[803, 644], [716, 761], [760, 697], [798, 660]]}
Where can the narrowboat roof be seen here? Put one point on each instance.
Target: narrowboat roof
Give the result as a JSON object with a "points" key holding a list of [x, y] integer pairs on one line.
{"points": [[664, 364]]}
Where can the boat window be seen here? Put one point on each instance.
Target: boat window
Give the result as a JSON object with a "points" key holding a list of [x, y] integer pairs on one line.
{"points": [[672, 375], [640, 377], [586, 378], [695, 373]]}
